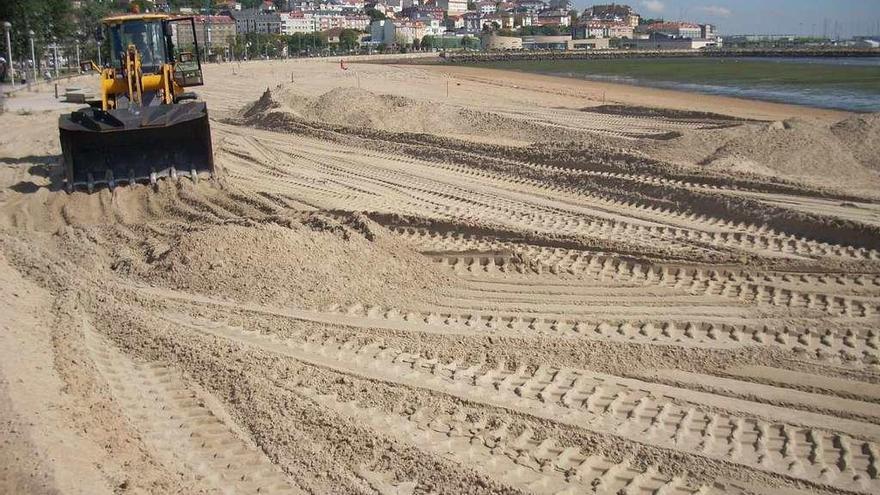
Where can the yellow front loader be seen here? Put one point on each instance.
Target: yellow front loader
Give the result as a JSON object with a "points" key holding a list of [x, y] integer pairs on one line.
{"points": [[145, 126]]}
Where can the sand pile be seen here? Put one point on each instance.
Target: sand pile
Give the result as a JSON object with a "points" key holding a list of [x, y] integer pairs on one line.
{"points": [[360, 108], [861, 135], [306, 265], [351, 107], [841, 156]]}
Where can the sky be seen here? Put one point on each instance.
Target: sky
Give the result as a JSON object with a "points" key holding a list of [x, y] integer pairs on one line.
{"points": [[803, 17]]}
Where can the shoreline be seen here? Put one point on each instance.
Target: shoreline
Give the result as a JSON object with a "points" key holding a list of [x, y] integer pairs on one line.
{"points": [[601, 93], [617, 53]]}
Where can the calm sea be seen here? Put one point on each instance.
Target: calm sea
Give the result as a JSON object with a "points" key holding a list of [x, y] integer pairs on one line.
{"points": [[841, 83]]}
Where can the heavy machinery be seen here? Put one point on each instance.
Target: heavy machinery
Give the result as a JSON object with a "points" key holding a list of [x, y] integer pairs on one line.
{"points": [[145, 126]]}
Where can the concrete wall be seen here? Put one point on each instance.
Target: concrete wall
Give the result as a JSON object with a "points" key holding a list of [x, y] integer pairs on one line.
{"points": [[492, 42], [672, 44], [546, 39]]}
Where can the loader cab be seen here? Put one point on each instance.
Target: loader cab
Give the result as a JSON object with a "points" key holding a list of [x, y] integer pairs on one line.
{"points": [[146, 33], [146, 37], [159, 40]]}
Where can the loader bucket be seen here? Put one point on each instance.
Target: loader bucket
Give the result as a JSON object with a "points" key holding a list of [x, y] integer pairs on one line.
{"points": [[135, 145]]}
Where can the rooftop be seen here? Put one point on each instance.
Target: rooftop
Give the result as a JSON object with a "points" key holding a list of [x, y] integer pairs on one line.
{"points": [[658, 26]]}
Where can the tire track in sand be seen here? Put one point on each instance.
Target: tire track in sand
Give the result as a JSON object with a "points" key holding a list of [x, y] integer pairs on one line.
{"points": [[813, 341], [179, 428], [810, 447], [531, 464], [784, 289], [538, 206]]}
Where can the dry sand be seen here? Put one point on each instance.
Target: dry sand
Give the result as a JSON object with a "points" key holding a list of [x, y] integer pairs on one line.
{"points": [[509, 289]]}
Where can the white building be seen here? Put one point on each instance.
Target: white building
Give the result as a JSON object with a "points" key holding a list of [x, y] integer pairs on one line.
{"points": [[357, 21], [673, 29], [434, 27], [554, 17], [352, 5], [486, 7], [592, 29], [407, 31], [302, 5], [454, 22], [620, 30], [602, 29], [533, 5], [311, 21], [298, 22], [390, 32], [257, 21], [453, 7], [707, 31], [505, 20], [523, 19]]}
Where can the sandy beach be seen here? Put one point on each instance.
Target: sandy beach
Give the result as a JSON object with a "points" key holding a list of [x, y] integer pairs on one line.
{"points": [[608, 93], [411, 279]]}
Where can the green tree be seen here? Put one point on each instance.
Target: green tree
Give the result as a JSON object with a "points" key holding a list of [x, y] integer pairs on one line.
{"points": [[374, 14], [348, 39], [88, 22], [47, 18], [299, 43], [401, 42], [471, 5]]}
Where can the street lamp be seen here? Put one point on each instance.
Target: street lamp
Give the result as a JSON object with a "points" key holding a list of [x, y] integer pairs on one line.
{"points": [[33, 54], [208, 45], [99, 38], [7, 26], [78, 36], [55, 54]]}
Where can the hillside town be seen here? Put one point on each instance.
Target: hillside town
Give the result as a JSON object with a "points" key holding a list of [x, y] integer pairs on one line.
{"points": [[271, 29], [289, 27]]}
